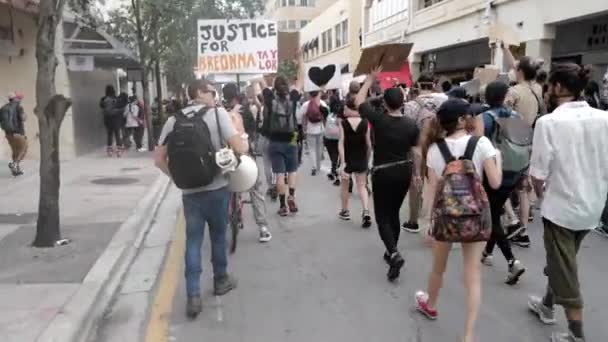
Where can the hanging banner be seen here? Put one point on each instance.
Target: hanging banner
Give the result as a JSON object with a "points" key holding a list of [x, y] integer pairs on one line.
{"points": [[237, 46]]}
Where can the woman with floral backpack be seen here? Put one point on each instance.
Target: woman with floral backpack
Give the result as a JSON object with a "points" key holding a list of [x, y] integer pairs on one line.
{"points": [[456, 162]]}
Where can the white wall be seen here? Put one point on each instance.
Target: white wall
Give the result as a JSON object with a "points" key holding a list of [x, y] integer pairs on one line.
{"points": [[19, 74]]}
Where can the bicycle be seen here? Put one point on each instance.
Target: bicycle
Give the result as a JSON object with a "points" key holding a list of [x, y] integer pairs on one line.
{"points": [[235, 220]]}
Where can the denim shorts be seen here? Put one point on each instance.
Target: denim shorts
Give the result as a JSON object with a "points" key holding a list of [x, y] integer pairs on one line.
{"points": [[283, 156]]}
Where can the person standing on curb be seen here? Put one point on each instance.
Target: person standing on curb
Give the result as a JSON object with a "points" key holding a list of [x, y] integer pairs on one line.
{"points": [[313, 113], [281, 124], [12, 122], [569, 169], [187, 153], [233, 104]]}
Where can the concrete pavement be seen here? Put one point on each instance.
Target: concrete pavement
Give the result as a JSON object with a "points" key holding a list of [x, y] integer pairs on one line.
{"points": [[57, 294], [321, 279]]}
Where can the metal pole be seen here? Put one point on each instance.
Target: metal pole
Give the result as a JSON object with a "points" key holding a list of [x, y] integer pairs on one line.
{"points": [[238, 82]]}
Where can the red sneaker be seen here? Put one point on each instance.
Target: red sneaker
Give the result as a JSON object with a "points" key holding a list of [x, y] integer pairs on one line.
{"points": [[422, 305], [283, 211], [291, 203]]}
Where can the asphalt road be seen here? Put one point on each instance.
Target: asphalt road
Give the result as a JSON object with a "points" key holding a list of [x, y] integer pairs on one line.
{"points": [[321, 279]]}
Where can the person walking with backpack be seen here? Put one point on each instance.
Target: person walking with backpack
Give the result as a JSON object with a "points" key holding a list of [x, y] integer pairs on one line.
{"points": [[456, 162], [281, 124], [423, 108], [191, 149], [133, 124], [513, 138], [525, 98], [237, 106], [394, 138], [313, 113], [569, 170], [12, 122], [355, 149], [113, 118], [331, 139]]}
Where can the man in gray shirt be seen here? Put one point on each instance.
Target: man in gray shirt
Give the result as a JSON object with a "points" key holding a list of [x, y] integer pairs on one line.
{"points": [[207, 204]]}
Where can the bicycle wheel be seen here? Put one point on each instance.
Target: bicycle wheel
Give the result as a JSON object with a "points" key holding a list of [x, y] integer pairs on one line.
{"points": [[234, 223]]}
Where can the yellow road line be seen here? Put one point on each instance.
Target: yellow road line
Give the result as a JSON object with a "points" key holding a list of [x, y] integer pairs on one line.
{"points": [[160, 316]]}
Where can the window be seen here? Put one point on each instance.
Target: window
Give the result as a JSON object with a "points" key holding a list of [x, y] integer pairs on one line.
{"points": [[292, 25], [284, 3], [344, 32], [429, 3], [292, 3], [338, 30], [307, 3], [387, 12], [282, 25], [324, 42], [303, 23], [329, 41]]}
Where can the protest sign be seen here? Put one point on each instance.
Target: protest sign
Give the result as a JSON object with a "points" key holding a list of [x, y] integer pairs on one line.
{"points": [[320, 76], [237, 46], [390, 56], [486, 75], [501, 32]]}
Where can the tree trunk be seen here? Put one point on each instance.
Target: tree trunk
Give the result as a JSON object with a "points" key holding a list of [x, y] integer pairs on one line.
{"points": [[145, 83], [159, 85], [50, 110]]}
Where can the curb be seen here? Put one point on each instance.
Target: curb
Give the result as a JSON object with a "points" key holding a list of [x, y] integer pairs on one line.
{"points": [[80, 315]]}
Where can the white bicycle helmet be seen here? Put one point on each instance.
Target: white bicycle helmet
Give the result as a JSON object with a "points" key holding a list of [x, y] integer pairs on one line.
{"points": [[244, 177]]}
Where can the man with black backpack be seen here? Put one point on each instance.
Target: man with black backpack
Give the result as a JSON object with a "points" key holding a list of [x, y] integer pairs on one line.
{"points": [[12, 119], [191, 151], [281, 124]]}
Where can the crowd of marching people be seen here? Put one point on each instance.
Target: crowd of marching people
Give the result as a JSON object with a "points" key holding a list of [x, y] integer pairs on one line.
{"points": [[480, 163]]}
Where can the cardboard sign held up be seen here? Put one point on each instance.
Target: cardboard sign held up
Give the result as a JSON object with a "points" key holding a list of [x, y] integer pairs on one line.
{"points": [[501, 32], [473, 87], [485, 75], [390, 56], [322, 77]]}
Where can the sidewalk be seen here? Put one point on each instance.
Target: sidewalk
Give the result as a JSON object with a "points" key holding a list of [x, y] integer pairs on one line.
{"points": [[106, 205]]}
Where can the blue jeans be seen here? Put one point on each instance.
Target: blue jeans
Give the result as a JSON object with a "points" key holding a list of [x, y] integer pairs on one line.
{"points": [[210, 207]]}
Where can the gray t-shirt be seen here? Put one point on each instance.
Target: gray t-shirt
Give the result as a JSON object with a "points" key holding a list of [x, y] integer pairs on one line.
{"points": [[228, 131]]}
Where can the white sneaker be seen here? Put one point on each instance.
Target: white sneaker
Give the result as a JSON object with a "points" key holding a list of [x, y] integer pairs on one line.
{"points": [[265, 235], [487, 260], [142, 150]]}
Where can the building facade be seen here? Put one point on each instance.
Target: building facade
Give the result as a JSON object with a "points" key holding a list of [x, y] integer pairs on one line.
{"points": [[333, 36], [293, 15], [451, 37]]}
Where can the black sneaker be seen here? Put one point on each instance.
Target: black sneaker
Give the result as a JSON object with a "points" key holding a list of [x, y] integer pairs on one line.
{"points": [[367, 219], [274, 194], [521, 241], [194, 307], [411, 227], [331, 177], [344, 215], [395, 264], [337, 182], [514, 229], [602, 230], [531, 215], [313, 172], [387, 258], [223, 285]]}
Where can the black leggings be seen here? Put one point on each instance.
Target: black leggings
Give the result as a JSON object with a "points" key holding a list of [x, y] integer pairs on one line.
{"points": [[334, 155], [113, 129], [497, 199], [390, 186]]}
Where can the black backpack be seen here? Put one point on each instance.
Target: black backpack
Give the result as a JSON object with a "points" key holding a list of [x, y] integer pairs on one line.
{"points": [[8, 118], [191, 152], [283, 117]]}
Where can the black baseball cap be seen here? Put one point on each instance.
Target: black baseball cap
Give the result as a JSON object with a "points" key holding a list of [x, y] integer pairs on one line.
{"points": [[452, 110]]}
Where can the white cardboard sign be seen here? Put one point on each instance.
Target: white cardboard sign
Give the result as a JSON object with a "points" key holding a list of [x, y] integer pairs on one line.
{"points": [[322, 77], [237, 46]]}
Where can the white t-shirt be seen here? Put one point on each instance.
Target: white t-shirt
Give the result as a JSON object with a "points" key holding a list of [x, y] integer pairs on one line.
{"points": [[570, 153], [312, 128], [483, 151], [132, 115]]}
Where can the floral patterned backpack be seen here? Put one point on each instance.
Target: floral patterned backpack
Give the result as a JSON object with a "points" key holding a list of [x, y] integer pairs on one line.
{"points": [[461, 212]]}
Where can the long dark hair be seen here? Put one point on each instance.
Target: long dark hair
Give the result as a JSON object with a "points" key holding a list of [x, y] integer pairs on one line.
{"points": [[110, 91]]}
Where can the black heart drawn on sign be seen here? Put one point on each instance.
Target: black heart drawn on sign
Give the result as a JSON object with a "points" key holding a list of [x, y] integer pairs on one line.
{"points": [[320, 77]]}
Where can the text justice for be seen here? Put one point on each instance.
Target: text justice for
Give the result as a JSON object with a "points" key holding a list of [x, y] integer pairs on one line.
{"points": [[222, 34]]}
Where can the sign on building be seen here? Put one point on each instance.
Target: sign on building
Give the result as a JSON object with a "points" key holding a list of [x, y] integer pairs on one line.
{"points": [[81, 63], [237, 46]]}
